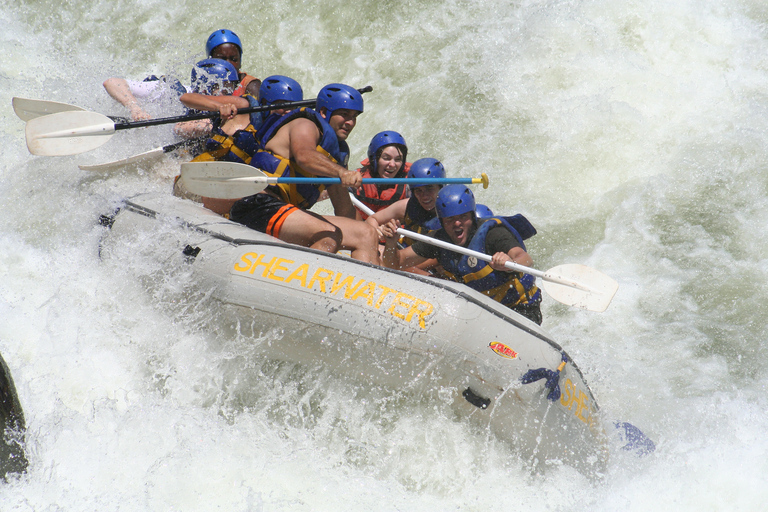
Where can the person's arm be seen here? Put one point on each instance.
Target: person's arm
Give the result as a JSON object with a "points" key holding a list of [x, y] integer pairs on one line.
{"points": [[393, 257], [213, 103], [504, 247], [253, 87], [395, 211], [193, 129], [119, 89], [303, 138], [226, 106], [342, 204], [515, 255]]}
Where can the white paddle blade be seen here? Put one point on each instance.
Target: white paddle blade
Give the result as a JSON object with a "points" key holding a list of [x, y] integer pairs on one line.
{"points": [[68, 133], [28, 109], [580, 286], [222, 180], [127, 164]]}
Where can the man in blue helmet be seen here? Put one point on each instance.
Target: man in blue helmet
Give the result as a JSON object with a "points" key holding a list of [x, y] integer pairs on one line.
{"points": [[307, 143], [225, 44], [494, 236]]}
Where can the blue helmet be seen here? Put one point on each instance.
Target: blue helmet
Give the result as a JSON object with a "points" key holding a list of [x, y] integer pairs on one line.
{"points": [[210, 72], [483, 212], [382, 140], [277, 87], [335, 96], [426, 168], [221, 37], [454, 200]]}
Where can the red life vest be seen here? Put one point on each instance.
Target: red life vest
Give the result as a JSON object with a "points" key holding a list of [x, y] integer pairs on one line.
{"points": [[378, 197]]}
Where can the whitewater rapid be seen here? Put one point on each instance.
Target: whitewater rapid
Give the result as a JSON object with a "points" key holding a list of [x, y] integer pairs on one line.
{"points": [[632, 134]]}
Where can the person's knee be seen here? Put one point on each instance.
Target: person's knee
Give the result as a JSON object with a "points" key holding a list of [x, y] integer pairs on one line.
{"points": [[330, 238], [368, 235], [364, 243]]}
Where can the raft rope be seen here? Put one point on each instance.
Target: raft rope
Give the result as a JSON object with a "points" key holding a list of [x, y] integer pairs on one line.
{"points": [[552, 376]]}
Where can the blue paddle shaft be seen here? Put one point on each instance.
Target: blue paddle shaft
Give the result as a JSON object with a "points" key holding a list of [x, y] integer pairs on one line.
{"points": [[374, 181]]}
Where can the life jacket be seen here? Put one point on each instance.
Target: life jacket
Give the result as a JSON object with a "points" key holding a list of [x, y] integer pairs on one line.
{"points": [[416, 219], [378, 197], [508, 288], [238, 147], [301, 195], [240, 89], [518, 221]]}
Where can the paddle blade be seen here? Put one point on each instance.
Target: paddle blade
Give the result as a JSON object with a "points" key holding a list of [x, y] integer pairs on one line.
{"points": [[580, 286], [68, 133], [126, 164], [222, 180], [636, 441], [28, 109]]}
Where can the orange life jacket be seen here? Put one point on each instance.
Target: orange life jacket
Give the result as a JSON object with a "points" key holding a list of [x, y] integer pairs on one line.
{"points": [[378, 197], [240, 89]]}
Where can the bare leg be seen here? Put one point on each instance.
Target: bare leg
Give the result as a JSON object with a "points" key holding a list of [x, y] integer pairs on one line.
{"points": [[310, 230], [359, 237]]}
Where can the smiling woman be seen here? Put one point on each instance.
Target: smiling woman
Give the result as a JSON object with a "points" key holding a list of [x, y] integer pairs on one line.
{"points": [[387, 152]]}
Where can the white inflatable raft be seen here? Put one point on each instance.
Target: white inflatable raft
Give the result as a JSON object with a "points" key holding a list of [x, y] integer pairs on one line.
{"points": [[386, 327]]}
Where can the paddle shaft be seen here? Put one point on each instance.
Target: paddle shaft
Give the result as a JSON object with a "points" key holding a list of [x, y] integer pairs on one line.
{"points": [[177, 145], [479, 255], [210, 115], [297, 180], [482, 256]]}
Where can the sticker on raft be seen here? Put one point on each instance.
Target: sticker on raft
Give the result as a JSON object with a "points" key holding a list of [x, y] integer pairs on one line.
{"points": [[401, 305], [502, 350]]}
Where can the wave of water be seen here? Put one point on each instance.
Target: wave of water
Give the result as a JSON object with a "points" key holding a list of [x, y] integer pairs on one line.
{"points": [[632, 134]]}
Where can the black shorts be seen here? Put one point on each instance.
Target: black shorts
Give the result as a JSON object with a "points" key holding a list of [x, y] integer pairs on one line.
{"points": [[262, 212], [532, 311]]}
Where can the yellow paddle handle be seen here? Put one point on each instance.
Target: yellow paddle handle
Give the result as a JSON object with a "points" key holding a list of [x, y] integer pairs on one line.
{"points": [[483, 179]]}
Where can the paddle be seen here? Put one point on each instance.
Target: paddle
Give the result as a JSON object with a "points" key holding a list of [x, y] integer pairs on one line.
{"points": [[74, 132], [571, 284], [229, 180], [141, 158], [28, 109]]}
